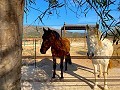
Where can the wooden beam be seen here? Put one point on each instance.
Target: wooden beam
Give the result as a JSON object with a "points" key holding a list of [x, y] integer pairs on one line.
{"points": [[75, 27]]}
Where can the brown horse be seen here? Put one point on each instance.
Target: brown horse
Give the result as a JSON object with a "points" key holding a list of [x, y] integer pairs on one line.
{"points": [[60, 47]]}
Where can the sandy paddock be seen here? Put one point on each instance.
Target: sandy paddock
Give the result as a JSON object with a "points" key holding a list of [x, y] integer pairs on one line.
{"points": [[78, 77]]}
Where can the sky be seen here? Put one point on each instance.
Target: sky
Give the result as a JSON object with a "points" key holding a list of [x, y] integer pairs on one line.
{"points": [[67, 16]]}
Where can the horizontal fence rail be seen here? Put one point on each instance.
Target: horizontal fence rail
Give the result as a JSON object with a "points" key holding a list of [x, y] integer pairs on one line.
{"points": [[75, 57]]}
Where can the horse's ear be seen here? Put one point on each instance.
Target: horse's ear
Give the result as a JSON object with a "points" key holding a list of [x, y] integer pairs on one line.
{"points": [[97, 26], [44, 29], [97, 31], [87, 27], [49, 29]]}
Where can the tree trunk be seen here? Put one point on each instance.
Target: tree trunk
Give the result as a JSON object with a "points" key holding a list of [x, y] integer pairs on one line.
{"points": [[11, 25]]}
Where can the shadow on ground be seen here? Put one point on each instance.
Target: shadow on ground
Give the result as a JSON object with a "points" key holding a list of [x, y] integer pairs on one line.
{"points": [[47, 64], [81, 52]]}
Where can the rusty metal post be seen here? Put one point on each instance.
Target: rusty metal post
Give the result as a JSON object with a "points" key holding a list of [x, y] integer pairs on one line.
{"points": [[64, 30], [35, 52], [85, 40], [61, 32]]}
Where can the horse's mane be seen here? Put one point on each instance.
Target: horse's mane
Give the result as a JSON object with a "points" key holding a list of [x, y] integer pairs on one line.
{"points": [[97, 33], [57, 35], [98, 38]]}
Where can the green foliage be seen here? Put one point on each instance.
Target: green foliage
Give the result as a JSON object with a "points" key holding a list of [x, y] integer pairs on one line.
{"points": [[101, 8]]}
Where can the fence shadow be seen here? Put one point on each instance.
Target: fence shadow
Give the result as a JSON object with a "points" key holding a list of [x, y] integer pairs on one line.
{"points": [[47, 65]]}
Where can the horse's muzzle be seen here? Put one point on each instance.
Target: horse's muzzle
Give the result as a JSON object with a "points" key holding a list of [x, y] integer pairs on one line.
{"points": [[42, 51], [90, 55]]}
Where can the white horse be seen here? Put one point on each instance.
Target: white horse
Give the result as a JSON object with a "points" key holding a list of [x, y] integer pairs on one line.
{"points": [[98, 48]]}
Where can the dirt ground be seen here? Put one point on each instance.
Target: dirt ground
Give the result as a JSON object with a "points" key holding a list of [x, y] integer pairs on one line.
{"points": [[78, 77]]}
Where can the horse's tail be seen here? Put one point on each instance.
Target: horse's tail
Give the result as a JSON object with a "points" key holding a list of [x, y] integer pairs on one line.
{"points": [[68, 58]]}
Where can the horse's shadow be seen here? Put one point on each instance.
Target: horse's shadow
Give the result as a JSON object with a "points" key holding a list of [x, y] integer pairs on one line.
{"points": [[81, 52], [47, 65]]}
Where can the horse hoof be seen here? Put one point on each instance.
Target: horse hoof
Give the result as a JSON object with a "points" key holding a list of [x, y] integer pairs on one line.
{"points": [[65, 69], [61, 78], [53, 77], [99, 76], [106, 88]]}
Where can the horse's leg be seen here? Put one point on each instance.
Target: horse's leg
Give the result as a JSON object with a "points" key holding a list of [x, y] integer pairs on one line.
{"points": [[65, 65], [105, 76], [108, 68], [95, 74], [100, 71], [67, 60], [61, 66], [54, 67]]}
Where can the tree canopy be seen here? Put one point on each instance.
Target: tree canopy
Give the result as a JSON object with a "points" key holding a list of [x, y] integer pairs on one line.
{"points": [[101, 7]]}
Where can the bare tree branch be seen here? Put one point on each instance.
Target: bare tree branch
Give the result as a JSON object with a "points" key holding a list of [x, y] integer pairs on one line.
{"points": [[101, 8]]}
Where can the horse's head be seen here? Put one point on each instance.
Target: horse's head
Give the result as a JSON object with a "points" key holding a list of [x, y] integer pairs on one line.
{"points": [[92, 31], [92, 38], [49, 38]]}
